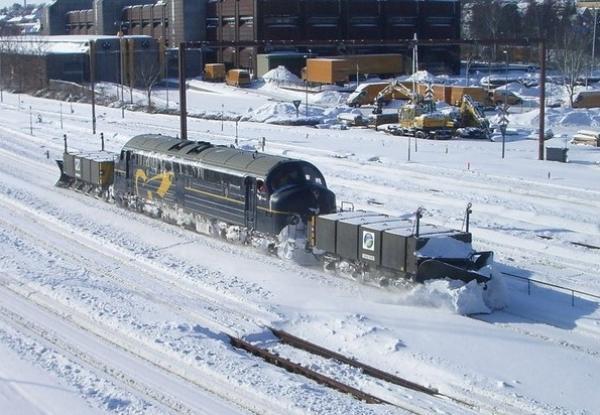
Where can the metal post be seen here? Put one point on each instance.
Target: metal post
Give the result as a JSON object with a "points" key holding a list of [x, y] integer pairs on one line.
{"points": [[131, 67], [306, 93], [592, 64], [167, 75], [30, 121], [503, 131], [408, 149], [102, 141], [236, 131], [505, 78], [1, 80], [65, 141], [182, 93], [468, 216], [122, 70], [222, 115], [415, 53], [263, 141], [92, 51], [419, 215], [61, 117], [542, 99]]}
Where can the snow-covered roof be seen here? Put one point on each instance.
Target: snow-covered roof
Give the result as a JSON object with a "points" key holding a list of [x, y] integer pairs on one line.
{"points": [[44, 45]]}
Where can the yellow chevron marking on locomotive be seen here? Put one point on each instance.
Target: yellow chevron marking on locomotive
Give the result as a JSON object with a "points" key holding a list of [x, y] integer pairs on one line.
{"points": [[166, 180]]}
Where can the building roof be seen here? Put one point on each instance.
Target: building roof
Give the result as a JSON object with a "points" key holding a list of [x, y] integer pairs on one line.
{"points": [[220, 157], [64, 44]]}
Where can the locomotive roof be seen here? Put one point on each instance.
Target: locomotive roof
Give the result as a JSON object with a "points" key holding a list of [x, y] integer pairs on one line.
{"points": [[259, 164]]}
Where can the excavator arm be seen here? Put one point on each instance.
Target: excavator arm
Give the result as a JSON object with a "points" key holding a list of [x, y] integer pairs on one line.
{"points": [[472, 117], [394, 90]]}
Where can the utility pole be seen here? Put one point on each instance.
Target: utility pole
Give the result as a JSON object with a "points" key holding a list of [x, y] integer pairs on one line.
{"points": [[592, 62], [306, 104], [415, 65], [182, 93], [505, 112], [542, 99], [1, 80], [167, 74], [122, 63], [92, 51]]}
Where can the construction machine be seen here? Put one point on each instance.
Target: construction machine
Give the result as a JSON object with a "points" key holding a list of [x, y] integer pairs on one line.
{"points": [[471, 122], [394, 90], [421, 120]]}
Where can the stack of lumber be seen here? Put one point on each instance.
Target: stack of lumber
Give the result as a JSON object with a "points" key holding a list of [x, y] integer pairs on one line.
{"points": [[590, 138]]}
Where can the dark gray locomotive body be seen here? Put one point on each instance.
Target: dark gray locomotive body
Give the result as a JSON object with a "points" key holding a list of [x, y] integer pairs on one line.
{"points": [[258, 191]]}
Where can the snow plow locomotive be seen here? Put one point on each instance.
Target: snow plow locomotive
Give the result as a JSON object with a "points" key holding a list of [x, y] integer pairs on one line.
{"points": [[267, 200]]}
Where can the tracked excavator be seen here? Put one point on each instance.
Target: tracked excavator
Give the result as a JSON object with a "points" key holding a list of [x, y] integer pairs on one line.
{"points": [[419, 117], [471, 122], [395, 90]]}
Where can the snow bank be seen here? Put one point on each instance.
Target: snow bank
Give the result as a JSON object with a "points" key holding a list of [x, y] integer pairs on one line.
{"points": [[453, 295], [330, 98], [458, 296], [285, 113], [280, 74], [421, 76]]}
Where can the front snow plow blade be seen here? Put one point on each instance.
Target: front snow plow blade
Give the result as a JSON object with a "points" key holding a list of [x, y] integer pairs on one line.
{"points": [[465, 270], [63, 180]]}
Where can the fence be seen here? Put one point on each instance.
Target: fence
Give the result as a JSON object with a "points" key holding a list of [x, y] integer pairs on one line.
{"points": [[547, 284]]}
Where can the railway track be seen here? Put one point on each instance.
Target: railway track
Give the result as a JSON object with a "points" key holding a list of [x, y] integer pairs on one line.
{"points": [[101, 356], [69, 244]]}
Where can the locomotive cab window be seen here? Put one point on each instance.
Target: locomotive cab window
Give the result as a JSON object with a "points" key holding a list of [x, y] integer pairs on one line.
{"points": [[260, 186], [295, 174], [291, 176]]}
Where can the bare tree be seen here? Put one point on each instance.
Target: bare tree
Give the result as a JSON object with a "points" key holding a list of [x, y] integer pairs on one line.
{"points": [[571, 59], [147, 74]]}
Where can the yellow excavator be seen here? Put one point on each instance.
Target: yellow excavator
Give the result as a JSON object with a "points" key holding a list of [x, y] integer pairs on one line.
{"points": [[419, 117], [471, 122], [421, 120], [393, 90]]}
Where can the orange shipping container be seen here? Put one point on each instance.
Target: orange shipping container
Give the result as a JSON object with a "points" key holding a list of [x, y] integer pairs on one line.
{"points": [[478, 94], [214, 72], [327, 70]]}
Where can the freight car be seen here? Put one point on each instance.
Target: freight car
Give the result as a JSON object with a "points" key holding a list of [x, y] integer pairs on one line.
{"points": [[257, 198]]}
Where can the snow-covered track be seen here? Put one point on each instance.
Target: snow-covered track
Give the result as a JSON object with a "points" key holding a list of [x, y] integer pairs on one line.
{"points": [[60, 330], [301, 344]]}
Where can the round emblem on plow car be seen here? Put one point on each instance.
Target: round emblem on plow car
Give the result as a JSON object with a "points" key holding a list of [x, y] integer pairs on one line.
{"points": [[368, 241]]}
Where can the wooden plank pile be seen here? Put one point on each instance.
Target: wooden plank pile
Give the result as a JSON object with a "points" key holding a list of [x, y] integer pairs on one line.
{"points": [[590, 138]]}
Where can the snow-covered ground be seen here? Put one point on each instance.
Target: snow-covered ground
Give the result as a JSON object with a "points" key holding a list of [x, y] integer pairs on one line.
{"points": [[125, 314]]}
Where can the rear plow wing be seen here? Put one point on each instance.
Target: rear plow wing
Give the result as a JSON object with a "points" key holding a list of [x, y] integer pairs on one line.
{"points": [[464, 269]]}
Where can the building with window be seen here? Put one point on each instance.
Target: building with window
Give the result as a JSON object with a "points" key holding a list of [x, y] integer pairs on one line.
{"points": [[236, 21]]}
